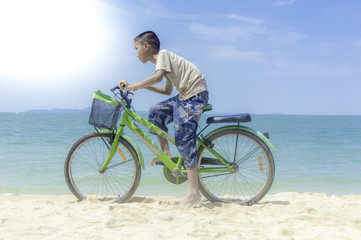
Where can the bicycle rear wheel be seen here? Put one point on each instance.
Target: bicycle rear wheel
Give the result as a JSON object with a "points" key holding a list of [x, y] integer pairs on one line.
{"points": [[116, 184], [253, 168]]}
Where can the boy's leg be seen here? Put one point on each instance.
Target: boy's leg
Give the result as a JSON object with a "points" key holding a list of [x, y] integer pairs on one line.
{"points": [[186, 117], [193, 196], [165, 148], [187, 149], [161, 115]]}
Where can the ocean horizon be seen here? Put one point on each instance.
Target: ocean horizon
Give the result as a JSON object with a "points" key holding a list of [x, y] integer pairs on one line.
{"points": [[88, 109]]}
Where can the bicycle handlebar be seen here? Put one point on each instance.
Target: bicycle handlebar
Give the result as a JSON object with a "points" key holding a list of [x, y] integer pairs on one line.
{"points": [[123, 85], [114, 88], [124, 94]]}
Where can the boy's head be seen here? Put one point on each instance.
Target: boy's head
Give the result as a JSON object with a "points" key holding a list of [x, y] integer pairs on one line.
{"points": [[149, 37], [146, 44]]}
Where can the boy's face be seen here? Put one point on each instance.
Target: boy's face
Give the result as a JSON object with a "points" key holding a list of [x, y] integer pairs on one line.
{"points": [[142, 51]]}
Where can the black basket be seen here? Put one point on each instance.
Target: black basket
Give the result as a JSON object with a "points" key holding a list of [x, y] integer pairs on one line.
{"points": [[104, 114]]}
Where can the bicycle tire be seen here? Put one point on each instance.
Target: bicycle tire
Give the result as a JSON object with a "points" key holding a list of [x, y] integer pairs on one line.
{"points": [[253, 172], [83, 161]]}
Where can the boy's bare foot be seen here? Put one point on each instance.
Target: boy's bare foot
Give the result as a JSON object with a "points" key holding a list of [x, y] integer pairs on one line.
{"points": [[154, 161], [190, 200]]}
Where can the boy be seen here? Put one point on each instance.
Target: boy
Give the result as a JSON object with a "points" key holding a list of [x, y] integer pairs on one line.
{"points": [[184, 109]]}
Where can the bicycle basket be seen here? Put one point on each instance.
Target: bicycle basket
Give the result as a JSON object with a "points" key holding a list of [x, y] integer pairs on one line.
{"points": [[105, 111]]}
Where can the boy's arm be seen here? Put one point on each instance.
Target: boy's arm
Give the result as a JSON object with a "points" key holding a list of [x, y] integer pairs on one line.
{"points": [[148, 82], [166, 90]]}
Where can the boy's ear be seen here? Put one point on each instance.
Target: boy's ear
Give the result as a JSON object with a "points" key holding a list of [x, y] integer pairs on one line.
{"points": [[146, 45]]}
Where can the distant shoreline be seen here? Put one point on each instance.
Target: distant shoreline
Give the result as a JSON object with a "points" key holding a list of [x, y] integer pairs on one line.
{"points": [[214, 113], [59, 110]]}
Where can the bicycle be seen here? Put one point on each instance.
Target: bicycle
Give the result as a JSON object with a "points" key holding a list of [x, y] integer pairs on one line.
{"points": [[236, 164]]}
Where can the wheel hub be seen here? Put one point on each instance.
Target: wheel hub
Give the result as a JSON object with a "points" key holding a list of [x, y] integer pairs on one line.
{"points": [[235, 167]]}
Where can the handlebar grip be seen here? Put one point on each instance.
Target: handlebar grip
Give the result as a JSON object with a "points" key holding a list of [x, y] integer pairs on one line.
{"points": [[123, 85]]}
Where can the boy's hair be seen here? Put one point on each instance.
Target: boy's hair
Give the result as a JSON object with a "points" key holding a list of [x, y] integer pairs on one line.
{"points": [[149, 37]]}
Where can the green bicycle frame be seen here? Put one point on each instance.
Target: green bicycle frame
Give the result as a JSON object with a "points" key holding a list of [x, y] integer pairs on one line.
{"points": [[127, 121]]}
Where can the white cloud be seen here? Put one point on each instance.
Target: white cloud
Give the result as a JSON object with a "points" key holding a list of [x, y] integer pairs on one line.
{"points": [[213, 32], [254, 36], [297, 67], [230, 33], [246, 39], [232, 53], [155, 9], [245, 19], [283, 3], [288, 38]]}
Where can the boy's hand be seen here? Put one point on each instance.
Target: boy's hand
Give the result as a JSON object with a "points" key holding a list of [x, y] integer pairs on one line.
{"points": [[123, 85]]}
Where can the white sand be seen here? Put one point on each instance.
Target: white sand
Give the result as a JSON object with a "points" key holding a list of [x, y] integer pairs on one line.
{"points": [[279, 216]]}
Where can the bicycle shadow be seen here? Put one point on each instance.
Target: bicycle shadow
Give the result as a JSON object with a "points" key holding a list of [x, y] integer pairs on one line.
{"points": [[161, 200], [139, 199], [210, 205], [275, 202], [204, 203]]}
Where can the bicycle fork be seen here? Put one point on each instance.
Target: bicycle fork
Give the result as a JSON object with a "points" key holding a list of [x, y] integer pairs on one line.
{"points": [[112, 150]]}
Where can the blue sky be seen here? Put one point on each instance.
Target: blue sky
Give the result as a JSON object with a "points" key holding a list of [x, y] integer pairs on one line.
{"points": [[263, 57]]}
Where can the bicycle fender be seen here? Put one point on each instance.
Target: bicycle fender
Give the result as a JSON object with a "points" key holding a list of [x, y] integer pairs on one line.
{"points": [[132, 142], [136, 148], [255, 132]]}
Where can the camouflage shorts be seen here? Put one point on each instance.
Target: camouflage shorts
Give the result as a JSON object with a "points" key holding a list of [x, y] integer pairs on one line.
{"points": [[185, 115]]}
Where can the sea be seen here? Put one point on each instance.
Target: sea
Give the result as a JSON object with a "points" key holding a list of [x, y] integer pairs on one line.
{"points": [[313, 153]]}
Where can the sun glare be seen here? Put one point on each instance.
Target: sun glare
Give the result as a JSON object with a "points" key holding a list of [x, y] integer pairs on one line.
{"points": [[42, 38]]}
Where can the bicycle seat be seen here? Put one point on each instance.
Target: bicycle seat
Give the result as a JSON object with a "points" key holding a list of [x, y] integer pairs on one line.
{"points": [[244, 117]]}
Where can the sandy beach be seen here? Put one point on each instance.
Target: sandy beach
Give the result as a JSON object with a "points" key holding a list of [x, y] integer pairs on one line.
{"points": [[279, 216]]}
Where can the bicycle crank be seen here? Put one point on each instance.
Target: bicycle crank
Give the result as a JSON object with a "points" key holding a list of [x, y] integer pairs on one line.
{"points": [[174, 177]]}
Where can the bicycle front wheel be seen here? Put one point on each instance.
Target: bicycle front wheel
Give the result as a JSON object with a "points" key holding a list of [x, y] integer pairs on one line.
{"points": [[117, 183], [252, 170]]}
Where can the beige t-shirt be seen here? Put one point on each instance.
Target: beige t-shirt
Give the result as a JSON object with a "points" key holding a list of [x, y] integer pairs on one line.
{"points": [[184, 75]]}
